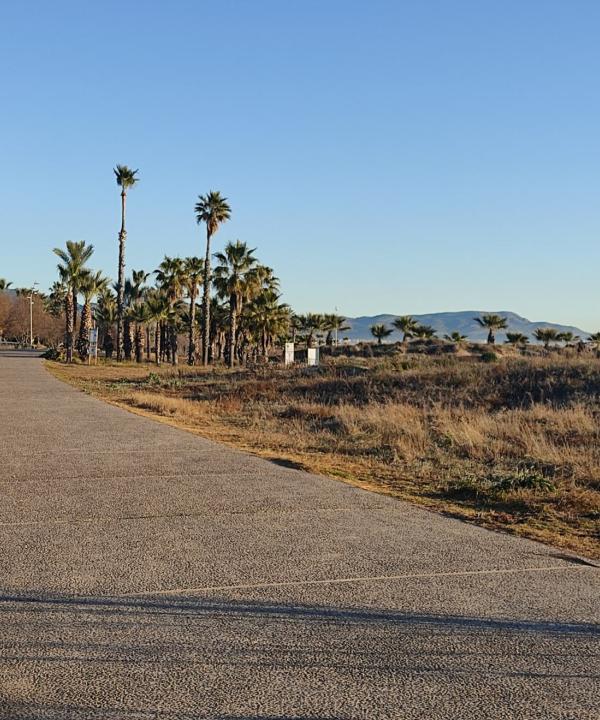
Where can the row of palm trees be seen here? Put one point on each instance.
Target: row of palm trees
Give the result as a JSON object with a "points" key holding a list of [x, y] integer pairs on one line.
{"points": [[410, 328], [211, 209], [245, 314]]}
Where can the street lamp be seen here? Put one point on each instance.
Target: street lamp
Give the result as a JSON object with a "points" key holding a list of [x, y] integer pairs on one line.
{"points": [[30, 296]]}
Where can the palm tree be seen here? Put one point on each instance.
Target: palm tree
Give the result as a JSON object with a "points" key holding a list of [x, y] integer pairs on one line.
{"points": [[380, 331], [267, 319], [91, 284], [567, 337], [140, 315], [126, 179], [71, 270], [133, 296], [406, 325], [309, 325], [492, 323], [213, 210], [4, 284], [236, 280], [192, 274], [516, 338], [158, 305], [54, 304], [333, 323], [106, 316], [546, 335], [219, 327], [594, 341], [456, 338], [423, 332], [170, 276]]}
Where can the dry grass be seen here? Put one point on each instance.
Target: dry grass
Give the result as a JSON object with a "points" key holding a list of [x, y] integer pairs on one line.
{"points": [[512, 445]]}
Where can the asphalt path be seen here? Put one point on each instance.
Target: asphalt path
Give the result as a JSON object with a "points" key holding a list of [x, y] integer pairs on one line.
{"points": [[149, 573]]}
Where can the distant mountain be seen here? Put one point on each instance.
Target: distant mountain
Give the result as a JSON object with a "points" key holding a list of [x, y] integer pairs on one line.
{"points": [[463, 322]]}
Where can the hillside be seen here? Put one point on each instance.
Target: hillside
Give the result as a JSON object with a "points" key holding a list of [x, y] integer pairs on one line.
{"points": [[462, 321]]}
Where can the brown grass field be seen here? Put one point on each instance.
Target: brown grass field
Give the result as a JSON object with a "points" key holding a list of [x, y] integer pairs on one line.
{"points": [[511, 445]]}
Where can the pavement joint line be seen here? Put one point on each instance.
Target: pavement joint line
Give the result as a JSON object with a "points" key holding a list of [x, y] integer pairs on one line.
{"points": [[340, 581], [170, 516], [95, 478], [74, 451]]}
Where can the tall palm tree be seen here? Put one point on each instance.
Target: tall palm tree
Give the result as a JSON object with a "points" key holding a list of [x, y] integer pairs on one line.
{"points": [[546, 336], [126, 179], [380, 331], [91, 284], [71, 269], [193, 272], [406, 325], [170, 277], [4, 284], [235, 281], [213, 210], [491, 323]]}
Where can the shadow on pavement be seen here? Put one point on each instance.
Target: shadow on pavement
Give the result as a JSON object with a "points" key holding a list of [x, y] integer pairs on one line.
{"points": [[185, 604], [52, 643]]}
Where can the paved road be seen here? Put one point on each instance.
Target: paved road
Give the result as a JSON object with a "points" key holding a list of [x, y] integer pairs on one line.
{"points": [[147, 573]]}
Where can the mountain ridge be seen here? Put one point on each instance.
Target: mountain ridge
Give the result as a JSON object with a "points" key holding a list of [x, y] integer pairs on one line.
{"points": [[462, 321]]}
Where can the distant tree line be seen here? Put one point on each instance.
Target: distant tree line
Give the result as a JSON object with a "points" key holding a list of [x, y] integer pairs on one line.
{"points": [[410, 328]]}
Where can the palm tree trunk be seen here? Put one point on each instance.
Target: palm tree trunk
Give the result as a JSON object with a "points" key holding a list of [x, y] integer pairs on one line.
{"points": [[163, 341], [121, 280], [232, 328], [192, 330], [127, 338], [157, 348], [491, 339], [69, 326], [139, 341], [83, 344], [74, 309], [173, 343], [206, 302], [148, 343]]}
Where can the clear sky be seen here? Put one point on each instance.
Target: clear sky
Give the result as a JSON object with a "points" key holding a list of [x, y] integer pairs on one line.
{"points": [[397, 156]]}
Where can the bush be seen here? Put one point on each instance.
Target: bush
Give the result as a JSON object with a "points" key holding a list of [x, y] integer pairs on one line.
{"points": [[488, 356], [51, 354], [525, 479]]}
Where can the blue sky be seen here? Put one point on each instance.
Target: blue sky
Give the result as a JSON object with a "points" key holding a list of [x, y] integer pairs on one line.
{"points": [[400, 157]]}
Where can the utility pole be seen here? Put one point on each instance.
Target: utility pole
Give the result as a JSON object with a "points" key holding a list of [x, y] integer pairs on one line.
{"points": [[30, 296]]}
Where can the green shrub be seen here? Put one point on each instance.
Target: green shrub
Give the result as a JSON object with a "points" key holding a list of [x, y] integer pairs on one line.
{"points": [[51, 354]]}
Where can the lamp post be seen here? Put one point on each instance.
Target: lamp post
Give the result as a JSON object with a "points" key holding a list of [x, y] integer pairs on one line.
{"points": [[30, 296]]}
